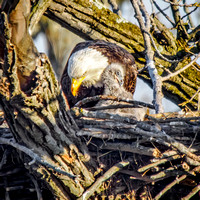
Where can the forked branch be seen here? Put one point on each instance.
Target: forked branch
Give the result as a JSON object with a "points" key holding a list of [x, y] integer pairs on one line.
{"points": [[155, 78]]}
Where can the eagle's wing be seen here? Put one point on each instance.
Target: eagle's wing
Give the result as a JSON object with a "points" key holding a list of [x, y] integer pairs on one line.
{"points": [[130, 78], [117, 54]]}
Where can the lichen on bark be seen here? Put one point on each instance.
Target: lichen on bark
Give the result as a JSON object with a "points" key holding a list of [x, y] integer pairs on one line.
{"points": [[91, 21]]}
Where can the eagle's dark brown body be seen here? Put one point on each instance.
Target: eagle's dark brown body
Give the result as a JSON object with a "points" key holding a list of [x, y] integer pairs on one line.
{"points": [[109, 53]]}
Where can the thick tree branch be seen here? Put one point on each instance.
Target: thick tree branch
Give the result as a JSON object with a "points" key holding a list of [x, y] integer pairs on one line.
{"points": [[36, 112], [37, 11]]}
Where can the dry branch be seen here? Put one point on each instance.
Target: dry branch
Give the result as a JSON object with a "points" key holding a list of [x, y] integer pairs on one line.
{"points": [[104, 97], [155, 78], [34, 156], [90, 191], [181, 70]]}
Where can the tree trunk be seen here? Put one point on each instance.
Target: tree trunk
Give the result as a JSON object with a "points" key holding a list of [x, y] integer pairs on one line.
{"points": [[38, 115]]}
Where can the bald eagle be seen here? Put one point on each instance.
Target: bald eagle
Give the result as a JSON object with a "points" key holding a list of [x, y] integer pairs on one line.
{"points": [[87, 72]]}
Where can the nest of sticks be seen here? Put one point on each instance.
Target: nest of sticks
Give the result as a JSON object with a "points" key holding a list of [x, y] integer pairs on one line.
{"points": [[153, 159], [157, 158]]}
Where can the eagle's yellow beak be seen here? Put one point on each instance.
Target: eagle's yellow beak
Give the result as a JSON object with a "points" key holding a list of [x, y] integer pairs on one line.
{"points": [[76, 83]]}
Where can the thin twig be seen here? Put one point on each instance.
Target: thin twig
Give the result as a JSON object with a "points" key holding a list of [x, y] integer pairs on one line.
{"points": [[168, 187], [137, 176], [183, 5], [164, 31], [192, 193], [37, 188], [165, 15], [159, 54], [105, 97], [118, 106], [90, 191], [188, 14], [181, 31], [180, 70], [186, 102], [196, 68]]}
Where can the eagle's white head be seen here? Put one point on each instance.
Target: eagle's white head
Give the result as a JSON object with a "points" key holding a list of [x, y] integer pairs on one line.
{"points": [[85, 67]]}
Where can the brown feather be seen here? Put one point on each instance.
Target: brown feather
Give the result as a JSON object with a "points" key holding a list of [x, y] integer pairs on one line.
{"points": [[115, 54], [130, 79]]}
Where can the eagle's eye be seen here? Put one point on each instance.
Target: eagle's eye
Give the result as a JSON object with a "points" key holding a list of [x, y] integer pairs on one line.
{"points": [[118, 73]]}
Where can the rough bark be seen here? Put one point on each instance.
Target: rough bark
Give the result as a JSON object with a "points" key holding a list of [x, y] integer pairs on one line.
{"points": [[37, 114], [92, 20]]}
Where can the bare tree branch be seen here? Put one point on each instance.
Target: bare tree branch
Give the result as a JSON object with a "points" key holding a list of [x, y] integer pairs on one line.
{"points": [[34, 156], [192, 193], [196, 93], [163, 13], [156, 80], [180, 70], [104, 97], [181, 32], [103, 178], [182, 5], [115, 7], [188, 14], [176, 181], [158, 52]]}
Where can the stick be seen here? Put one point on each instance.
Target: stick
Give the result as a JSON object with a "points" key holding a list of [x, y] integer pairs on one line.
{"points": [[34, 156], [177, 180], [89, 192], [155, 78], [105, 97], [180, 70], [162, 161]]}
